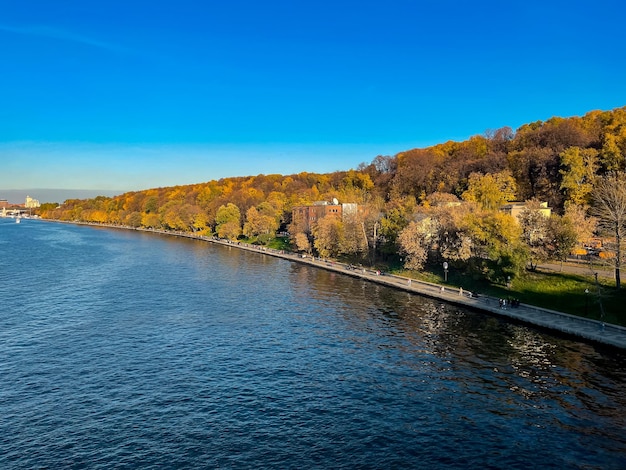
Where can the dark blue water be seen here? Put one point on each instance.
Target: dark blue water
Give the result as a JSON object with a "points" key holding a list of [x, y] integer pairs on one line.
{"points": [[121, 349]]}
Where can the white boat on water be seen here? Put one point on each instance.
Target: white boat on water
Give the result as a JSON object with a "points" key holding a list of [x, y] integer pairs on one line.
{"points": [[18, 219]]}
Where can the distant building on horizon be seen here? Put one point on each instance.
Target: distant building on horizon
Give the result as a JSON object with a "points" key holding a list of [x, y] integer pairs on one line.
{"points": [[31, 203]]}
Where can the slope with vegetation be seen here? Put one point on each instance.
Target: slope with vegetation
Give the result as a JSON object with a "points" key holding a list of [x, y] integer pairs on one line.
{"points": [[422, 207]]}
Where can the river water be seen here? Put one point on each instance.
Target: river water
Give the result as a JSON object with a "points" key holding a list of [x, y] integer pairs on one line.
{"points": [[123, 349]]}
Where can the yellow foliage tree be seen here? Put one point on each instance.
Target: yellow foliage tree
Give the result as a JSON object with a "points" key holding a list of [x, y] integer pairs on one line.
{"points": [[228, 221], [492, 190], [578, 172]]}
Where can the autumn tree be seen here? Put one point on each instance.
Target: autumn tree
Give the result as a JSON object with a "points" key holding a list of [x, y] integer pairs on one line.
{"points": [[327, 233], [415, 171], [416, 240], [261, 222], [561, 237], [395, 219], [302, 242], [438, 199], [298, 223], [180, 216], [609, 206], [151, 205], [227, 221], [354, 238], [150, 220], [253, 225], [584, 224], [613, 151], [534, 225], [455, 243], [498, 251], [534, 170], [133, 219], [198, 218], [357, 180], [490, 191], [578, 172], [612, 156], [499, 139], [413, 246], [278, 202]]}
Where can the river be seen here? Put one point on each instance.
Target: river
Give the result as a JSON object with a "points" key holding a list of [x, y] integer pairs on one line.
{"points": [[124, 349]]}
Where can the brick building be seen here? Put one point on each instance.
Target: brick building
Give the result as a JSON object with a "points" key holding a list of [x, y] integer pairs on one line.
{"points": [[308, 216]]}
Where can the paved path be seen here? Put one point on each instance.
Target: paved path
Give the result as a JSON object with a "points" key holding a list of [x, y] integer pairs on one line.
{"points": [[579, 267]]}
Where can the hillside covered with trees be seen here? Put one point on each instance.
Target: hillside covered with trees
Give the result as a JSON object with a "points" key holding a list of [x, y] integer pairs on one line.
{"points": [[441, 203]]}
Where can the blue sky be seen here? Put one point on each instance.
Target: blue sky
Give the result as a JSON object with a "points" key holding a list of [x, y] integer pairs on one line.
{"points": [[129, 95]]}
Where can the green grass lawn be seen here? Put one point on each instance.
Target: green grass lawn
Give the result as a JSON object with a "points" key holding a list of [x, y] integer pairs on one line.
{"points": [[557, 291], [567, 293], [277, 243]]}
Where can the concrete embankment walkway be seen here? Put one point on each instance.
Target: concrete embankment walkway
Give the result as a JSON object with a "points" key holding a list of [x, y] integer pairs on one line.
{"points": [[582, 328], [579, 327]]}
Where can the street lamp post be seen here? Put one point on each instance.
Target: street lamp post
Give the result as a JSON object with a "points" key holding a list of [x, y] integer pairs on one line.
{"points": [[586, 302], [445, 271]]}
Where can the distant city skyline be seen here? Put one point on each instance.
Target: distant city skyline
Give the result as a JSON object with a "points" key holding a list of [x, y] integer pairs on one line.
{"points": [[43, 195], [120, 96]]}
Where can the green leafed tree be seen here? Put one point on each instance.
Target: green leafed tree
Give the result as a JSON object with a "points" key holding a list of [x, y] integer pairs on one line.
{"points": [[393, 222], [496, 242]]}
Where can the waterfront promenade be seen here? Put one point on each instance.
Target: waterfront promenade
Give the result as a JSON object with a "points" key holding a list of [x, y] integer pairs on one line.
{"points": [[579, 327], [571, 325]]}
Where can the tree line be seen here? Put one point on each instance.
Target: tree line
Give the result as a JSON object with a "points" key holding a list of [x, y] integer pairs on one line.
{"points": [[428, 205]]}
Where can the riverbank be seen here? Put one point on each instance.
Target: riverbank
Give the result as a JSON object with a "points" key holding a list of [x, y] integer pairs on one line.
{"points": [[583, 328], [571, 325]]}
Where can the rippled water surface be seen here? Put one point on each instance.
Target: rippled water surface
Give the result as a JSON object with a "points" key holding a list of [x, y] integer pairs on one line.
{"points": [[121, 349]]}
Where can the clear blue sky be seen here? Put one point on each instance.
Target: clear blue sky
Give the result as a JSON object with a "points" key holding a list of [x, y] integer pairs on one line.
{"points": [[128, 95]]}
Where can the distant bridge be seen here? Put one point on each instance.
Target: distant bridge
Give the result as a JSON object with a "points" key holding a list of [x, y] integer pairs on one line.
{"points": [[13, 212]]}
